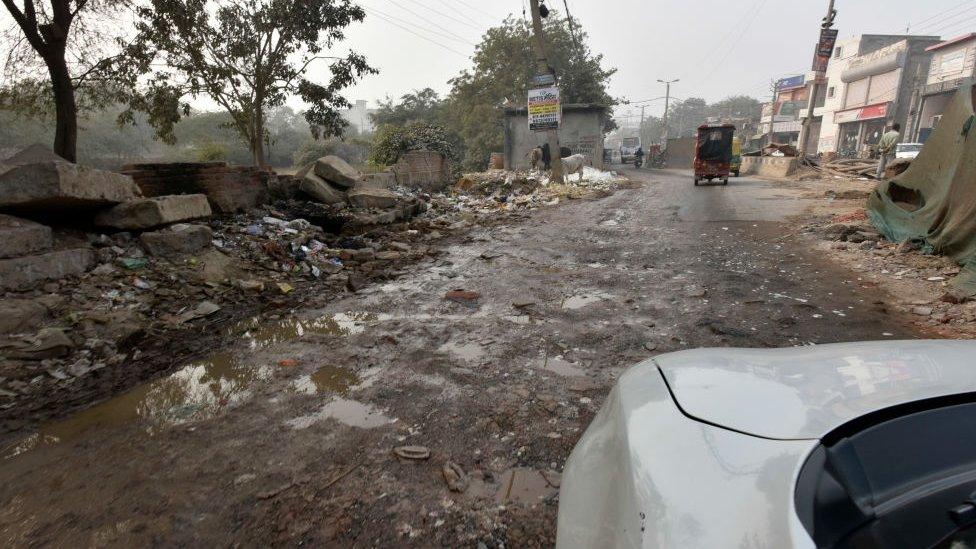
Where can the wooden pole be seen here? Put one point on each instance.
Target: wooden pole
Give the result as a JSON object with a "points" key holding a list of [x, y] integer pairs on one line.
{"points": [[543, 62]]}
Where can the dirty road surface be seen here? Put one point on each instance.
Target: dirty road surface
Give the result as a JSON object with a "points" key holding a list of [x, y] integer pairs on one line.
{"points": [[287, 434]]}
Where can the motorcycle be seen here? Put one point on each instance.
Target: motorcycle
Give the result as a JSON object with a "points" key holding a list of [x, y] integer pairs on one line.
{"points": [[638, 162]]}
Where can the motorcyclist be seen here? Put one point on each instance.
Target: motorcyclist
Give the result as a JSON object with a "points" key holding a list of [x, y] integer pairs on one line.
{"points": [[639, 156]]}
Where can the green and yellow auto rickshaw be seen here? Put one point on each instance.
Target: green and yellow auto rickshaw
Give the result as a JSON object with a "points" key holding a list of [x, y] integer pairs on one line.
{"points": [[736, 164]]}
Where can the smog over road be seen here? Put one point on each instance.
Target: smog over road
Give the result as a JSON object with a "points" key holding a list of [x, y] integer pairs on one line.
{"points": [[423, 273]]}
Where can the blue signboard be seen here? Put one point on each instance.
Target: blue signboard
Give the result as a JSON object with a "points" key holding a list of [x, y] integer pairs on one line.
{"points": [[791, 82]]}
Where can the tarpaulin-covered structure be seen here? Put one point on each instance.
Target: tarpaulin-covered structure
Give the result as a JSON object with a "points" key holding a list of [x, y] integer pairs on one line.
{"points": [[934, 201]]}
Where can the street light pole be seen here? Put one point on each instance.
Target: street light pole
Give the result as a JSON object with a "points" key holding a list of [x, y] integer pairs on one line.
{"points": [[814, 90], [543, 62], [667, 106]]}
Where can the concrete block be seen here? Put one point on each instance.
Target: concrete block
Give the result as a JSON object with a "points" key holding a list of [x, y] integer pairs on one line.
{"points": [[61, 185], [372, 198], [180, 239], [337, 171], [22, 237], [21, 272], [33, 154], [321, 190], [155, 212]]}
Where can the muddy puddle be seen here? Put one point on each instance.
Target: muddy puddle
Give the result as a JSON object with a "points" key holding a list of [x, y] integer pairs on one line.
{"points": [[204, 388], [348, 412], [327, 379], [527, 486]]}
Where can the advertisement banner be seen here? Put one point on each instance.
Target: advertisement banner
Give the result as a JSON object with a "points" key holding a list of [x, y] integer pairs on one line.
{"points": [[825, 49], [790, 83], [545, 111]]}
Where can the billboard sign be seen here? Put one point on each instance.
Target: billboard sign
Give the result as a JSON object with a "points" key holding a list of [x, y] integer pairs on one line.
{"points": [[790, 83], [825, 49], [545, 111]]}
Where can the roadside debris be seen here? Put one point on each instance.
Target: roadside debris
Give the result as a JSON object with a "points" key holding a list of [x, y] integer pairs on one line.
{"points": [[412, 453]]}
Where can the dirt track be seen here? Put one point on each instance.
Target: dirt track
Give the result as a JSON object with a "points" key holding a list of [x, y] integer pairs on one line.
{"points": [[286, 436]]}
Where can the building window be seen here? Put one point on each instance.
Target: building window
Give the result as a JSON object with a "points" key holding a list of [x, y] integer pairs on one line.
{"points": [[831, 91], [837, 52]]}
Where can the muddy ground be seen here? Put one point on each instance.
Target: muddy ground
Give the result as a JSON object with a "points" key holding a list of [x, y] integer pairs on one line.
{"points": [[286, 434]]}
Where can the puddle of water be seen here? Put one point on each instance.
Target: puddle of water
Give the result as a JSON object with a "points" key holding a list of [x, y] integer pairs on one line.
{"points": [[327, 379], [563, 367], [580, 301], [465, 351], [526, 485], [202, 389], [198, 391], [348, 412]]}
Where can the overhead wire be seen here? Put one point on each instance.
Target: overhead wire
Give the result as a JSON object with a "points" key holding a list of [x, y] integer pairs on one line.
{"points": [[417, 34], [735, 43], [925, 22], [942, 22], [446, 31], [445, 15], [459, 12]]}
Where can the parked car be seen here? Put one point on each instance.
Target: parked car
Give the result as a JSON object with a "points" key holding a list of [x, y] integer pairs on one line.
{"points": [[847, 445], [907, 150]]}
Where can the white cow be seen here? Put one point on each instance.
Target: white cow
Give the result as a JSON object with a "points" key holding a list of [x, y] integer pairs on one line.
{"points": [[574, 164]]}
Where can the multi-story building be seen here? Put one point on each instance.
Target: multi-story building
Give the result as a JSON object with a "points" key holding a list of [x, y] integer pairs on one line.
{"points": [[359, 116], [952, 61], [869, 84], [781, 118]]}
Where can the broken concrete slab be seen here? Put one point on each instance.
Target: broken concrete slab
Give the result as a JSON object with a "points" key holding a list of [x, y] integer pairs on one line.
{"points": [[47, 343], [372, 198], [61, 185], [21, 272], [149, 213], [180, 239], [19, 316], [337, 171], [22, 237], [321, 190], [33, 154]]}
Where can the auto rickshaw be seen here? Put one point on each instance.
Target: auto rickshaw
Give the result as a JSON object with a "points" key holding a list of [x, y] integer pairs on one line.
{"points": [[736, 165], [713, 153]]}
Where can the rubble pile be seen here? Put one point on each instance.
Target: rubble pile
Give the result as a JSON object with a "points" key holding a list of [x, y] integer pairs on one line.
{"points": [[94, 272], [919, 279]]}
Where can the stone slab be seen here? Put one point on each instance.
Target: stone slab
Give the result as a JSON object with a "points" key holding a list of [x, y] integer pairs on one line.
{"points": [[61, 185], [337, 171], [150, 213], [21, 272], [367, 198], [180, 239], [32, 154], [22, 237], [321, 190]]}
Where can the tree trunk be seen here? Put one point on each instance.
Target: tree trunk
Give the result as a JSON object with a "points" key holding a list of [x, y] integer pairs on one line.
{"points": [[257, 140], [66, 110]]}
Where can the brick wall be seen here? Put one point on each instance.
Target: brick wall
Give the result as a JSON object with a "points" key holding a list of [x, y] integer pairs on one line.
{"points": [[229, 188], [426, 170]]}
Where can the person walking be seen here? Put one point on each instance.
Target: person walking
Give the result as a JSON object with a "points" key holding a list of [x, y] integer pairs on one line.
{"points": [[886, 147]]}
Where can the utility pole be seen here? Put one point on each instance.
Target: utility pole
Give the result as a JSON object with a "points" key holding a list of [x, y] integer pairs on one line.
{"points": [[640, 129], [544, 68], [667, 106], [828, 22]]}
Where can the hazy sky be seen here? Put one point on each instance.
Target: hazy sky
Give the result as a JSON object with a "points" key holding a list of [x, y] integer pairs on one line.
{"points": [[716, 47]]}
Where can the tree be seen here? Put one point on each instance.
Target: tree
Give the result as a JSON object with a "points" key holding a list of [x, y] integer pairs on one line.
{"points": [[392, 141], [51, 33], [420, 106], [248, 56], [504, 64]]}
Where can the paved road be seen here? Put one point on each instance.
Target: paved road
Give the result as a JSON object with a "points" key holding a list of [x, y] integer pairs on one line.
{"points": [[287, 435]]}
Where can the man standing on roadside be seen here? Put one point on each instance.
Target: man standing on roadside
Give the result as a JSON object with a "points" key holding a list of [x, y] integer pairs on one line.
{"points": [[886, 147]]}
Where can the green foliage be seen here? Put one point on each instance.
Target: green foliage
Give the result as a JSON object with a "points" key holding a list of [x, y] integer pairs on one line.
{"points": [[504, 64], [211, 152], [249, 56], [392, 141], [420, 106]]}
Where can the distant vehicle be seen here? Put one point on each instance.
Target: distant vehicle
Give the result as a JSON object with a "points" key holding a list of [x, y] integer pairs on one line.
{"points": [[736, 165], [713, 153], [628, 147], [907, 150], [848, 445]]}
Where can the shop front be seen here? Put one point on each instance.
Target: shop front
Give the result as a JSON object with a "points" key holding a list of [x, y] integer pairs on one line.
{"points": [[860, 130]]}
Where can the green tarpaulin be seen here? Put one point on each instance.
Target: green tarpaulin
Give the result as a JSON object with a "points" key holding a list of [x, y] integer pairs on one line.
{"points": [[934, 201]]}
